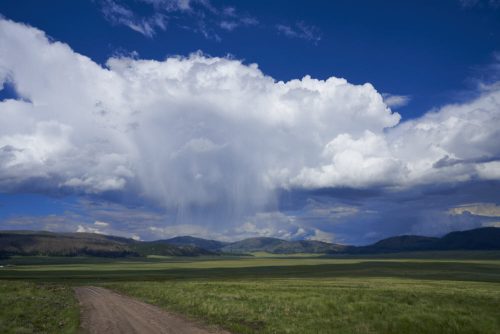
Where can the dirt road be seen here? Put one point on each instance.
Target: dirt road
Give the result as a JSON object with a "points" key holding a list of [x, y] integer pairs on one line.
{"points": [[104, 311]]}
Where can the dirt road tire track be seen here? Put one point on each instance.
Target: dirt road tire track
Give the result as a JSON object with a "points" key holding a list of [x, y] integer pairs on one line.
{"points": [[104, 311]]}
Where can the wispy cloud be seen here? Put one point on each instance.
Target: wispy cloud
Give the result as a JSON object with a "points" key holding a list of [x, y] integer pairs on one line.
{"points": [[117, 13], [300, 30], [231, 24], [101, 224], [396, 101], [231, 19], [480, 3], [486, 76], [199, 16], [468, 3]]}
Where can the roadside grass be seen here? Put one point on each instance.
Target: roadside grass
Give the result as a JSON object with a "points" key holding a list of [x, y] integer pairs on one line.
{"points": [[344, 305], [26, 307]]}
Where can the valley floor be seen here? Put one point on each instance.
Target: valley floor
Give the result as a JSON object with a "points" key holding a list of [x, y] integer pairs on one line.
{"points": [[268, 295]]}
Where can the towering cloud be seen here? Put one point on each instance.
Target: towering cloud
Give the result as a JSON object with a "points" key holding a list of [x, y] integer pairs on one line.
{"points": [[201, 134]]}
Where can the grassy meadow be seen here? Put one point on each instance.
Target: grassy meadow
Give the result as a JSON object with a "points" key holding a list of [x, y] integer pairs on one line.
{"points": [[345, 305], [27, 307], [442, 292]]}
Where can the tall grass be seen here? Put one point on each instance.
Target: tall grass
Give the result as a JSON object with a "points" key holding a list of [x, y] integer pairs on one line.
{"points": [[344, 305]]}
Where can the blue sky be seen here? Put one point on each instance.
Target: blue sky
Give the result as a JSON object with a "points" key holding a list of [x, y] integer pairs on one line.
{"points": [[169, 128]]}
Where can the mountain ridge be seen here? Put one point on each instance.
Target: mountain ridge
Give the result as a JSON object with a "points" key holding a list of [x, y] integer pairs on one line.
{"points": [[90, 244], [86, 244]]}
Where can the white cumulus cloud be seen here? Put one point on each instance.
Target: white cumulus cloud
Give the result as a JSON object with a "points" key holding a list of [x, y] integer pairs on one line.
{"points": [[198, 133]]}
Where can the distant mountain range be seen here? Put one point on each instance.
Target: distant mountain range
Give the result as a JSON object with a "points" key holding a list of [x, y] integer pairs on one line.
{"points": [[486, 238], [89, 244]]}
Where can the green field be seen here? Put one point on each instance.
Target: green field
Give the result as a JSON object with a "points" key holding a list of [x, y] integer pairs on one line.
{"points": [[27, 307], [449, 292], [346, 305]]}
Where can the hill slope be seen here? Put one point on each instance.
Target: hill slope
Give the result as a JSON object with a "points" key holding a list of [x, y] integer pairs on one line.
{"points": [[278, 246], [404, 243], [63, 244], [485, 238], [211, 245], [146, 248], [86, 244]]}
